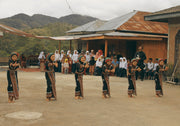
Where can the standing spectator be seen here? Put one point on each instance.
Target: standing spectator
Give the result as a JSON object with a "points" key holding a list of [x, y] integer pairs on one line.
{"points": [[140, 56], [88, 57], [156, 63], [92, 53], [75, 60], [61, 57], [57, 57], [23, 61], [42, 60], [120, 66], [92, 64], [99, 64], [124, 67], [115, 62]]}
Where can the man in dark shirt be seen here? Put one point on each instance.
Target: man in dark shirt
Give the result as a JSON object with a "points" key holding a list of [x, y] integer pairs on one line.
{"points": [[141, 56]]}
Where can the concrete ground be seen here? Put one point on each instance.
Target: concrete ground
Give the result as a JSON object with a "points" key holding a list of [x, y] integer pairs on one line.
{"points": [[144, 110]]}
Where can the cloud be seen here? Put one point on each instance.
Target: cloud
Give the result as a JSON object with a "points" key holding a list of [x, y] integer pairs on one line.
{"points": [[103, 9]]}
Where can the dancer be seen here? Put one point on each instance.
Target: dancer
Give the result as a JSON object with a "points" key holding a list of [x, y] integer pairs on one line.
{"points": [[79, 77], [13, 88], [158, 77], [106, 70], [50, 77], [131, 77]]}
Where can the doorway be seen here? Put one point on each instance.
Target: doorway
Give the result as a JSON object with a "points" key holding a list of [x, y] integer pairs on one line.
{"points": [[130, 49]]}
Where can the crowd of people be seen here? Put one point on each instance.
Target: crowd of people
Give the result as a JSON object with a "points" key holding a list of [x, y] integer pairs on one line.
{"points": [[67, 63]]}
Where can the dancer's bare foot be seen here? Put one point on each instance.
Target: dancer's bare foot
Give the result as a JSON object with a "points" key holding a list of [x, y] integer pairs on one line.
{"points": [[47, 99], [76, 97], [104, 96], [80, 98]]}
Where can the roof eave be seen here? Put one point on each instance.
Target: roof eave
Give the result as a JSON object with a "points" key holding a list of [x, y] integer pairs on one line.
{"points": [[162, 17]]}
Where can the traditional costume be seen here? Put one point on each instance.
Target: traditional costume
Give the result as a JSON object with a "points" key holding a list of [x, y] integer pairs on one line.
{"points": [[50, 78], [159, 77], [13, 88], [131, 78], [79, 78], [106, 70]]}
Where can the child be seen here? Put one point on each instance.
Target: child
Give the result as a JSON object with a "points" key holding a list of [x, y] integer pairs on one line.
{"points": [[131, 77], [66, 66], [50, 77], [13, 88], [150, 66], [92, 63], [106, 70], [79, 77], [158, 77]]}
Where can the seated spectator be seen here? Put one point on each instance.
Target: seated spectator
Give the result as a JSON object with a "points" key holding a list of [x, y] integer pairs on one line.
{"points": [[66, 66]]}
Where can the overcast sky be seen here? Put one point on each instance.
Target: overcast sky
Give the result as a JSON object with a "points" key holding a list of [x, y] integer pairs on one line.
{"points": [[103, 9]]}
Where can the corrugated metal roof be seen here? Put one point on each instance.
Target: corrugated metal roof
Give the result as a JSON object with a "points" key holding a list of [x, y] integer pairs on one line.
{"points": [[131, 22], [167, 11], [91, 26], [116, 22], [8, 29], [137, 23]]}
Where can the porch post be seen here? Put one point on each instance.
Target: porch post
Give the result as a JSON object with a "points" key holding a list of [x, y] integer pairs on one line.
{"points": [[106, 48], [70, 44], [87, 46], [59, 46]]}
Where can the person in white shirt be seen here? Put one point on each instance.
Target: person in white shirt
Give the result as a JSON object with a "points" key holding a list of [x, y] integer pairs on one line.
{"points": [[69, 53], [60, 59], [75, 60], [120, 66], [98, 68], [124, 67], [57, 57], [88, 58], [150, 66], [156, 63]]}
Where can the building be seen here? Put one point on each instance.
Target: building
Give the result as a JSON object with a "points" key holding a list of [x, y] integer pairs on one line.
{"points": [[123, 35], [172, 17]]}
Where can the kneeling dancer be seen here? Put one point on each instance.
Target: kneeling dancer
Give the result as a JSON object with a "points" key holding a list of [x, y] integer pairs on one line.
{"points": [[13, 89], [106, 70], [50, 77]]}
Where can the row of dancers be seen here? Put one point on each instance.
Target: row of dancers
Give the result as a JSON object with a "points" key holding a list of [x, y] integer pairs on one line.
{"points": [[107, 69]]}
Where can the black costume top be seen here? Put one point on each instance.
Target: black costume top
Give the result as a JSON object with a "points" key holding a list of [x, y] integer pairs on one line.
{"points": [[106, 67], [13, 62], [80, 68], [142, 57], [49, 67]]}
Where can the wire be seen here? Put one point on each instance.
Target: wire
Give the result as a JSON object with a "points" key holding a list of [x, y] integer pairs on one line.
{"points": [[69, 6]]}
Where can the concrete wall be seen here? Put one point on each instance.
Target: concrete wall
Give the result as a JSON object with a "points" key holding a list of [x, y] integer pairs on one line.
{"points": [[174, 27]]}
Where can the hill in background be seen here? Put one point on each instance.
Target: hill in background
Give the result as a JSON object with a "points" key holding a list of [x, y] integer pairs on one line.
{"points": [[23, 21]]}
